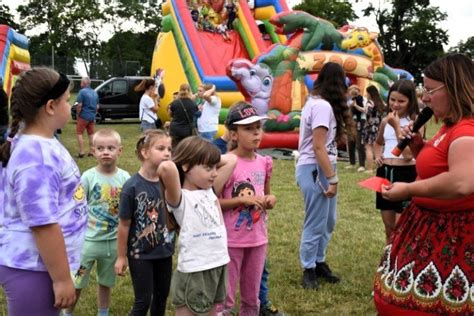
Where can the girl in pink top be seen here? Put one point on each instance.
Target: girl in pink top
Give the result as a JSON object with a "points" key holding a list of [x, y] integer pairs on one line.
{"points": [[245, 199]]}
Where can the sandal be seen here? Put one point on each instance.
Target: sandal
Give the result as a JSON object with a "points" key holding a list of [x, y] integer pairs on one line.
{"points": [[90, 155], [80, 155]]}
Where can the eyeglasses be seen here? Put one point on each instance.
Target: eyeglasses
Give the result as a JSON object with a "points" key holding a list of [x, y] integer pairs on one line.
{"points": [[432, 91]]}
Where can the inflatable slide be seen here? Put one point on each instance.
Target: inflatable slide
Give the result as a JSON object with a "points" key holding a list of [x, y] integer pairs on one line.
{"points": [[190, 55], [14, 56], [270, 58]]}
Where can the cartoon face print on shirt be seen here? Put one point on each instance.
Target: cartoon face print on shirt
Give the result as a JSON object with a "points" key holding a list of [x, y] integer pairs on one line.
{"points": [[248, 213]]}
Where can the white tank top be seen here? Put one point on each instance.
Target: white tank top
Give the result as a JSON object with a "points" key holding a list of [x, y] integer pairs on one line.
{"points": [[391, 139]]}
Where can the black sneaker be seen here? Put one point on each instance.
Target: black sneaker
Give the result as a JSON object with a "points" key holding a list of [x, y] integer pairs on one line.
{"points": [[309, 279], [323, 272], [269, 310]]}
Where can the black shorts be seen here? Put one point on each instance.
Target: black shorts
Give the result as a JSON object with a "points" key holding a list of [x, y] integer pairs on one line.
{"points": [[394, 174]]}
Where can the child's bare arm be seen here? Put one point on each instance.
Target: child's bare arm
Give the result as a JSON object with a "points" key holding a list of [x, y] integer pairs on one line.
{"points": [[270, 199], [50, 242], [224, 170], [122, 237], [169, 177], [234, 202]]}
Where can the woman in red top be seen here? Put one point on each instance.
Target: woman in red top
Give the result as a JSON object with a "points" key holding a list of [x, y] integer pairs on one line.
{"points": [[428, 265]]}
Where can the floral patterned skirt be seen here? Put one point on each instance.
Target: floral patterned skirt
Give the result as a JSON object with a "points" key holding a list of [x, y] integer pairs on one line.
{"points": [[428, 266]]}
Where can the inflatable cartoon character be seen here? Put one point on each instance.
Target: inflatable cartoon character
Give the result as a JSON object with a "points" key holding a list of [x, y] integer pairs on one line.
{"points": [[254, 81]]}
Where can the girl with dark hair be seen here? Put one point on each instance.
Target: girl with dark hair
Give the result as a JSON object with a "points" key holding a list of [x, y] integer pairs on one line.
{"points": [[43, 213], [325, 118], [375, 111], [428, 265], [191, 182], [404, 108]]}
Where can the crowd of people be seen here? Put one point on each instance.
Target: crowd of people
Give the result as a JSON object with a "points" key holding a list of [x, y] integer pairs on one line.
{"points": [[213, 197], [214, 16]]}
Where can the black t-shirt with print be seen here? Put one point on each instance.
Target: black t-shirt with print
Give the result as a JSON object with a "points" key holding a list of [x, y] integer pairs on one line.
{"points": [[141, 202]]}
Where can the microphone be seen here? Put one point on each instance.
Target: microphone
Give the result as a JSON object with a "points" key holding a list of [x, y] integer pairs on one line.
{"points": [[422, 118]]}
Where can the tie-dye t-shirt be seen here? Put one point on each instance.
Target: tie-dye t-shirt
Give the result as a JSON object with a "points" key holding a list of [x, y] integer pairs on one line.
{"points": [[41, 186], [103, 196]]}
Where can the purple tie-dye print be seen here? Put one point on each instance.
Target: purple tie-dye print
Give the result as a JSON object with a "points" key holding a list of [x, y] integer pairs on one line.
{"points": [[40, 185]]}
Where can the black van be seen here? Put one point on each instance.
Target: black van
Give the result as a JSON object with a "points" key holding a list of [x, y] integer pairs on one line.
{"points": [[117, 99]]}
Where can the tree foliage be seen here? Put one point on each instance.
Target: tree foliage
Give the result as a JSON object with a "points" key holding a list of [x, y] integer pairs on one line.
{"points": [[73, 28], [466, 47], [337, 12], [7, 18], [409, 35]]}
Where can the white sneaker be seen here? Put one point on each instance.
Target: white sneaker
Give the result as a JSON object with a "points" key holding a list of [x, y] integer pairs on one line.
{"points": [[360, 169], [349, 167]]}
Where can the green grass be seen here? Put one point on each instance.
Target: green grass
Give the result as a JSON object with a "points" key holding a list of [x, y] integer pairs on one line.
{"points": [[353, 252]]}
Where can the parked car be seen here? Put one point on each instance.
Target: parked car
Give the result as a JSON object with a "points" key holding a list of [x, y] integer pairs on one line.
{"points": [[117, 99]]}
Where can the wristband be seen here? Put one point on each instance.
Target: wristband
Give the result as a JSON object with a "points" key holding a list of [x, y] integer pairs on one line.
{"points": [[333, 180]]}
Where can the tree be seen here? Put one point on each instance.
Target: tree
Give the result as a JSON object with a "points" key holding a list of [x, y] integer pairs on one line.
{"points": [[409, 34], [69, 27], [7, 18], [466, 47], [336, 12], [128, 44]]}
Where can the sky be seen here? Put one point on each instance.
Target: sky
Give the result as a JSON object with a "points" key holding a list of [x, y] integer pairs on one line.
{"points": [[458, 23]]}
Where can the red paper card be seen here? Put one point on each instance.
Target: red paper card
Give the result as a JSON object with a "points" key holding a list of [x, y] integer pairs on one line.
{"points": [[374, 183]]}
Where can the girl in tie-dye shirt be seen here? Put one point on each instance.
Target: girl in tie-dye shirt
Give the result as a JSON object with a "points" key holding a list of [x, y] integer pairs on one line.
{"points": [[44, 214]]}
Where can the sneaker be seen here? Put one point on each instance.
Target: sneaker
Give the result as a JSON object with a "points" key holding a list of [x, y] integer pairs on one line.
{"points": [[361, 169], [269, 309], [323, 272], [309, 279], [349, 167]]}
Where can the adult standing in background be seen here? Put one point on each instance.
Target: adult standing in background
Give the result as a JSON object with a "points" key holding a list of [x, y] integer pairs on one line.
{"points": [[208, 121], [182, 112], [87, 101], [358, 106], [428, 264], [148, 104], [325, 118]]}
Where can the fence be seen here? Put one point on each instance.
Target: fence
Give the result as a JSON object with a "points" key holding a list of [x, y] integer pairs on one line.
{"points": [[99, 69]]}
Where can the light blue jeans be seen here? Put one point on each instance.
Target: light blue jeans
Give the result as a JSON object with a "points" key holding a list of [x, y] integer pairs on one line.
{"points": [[320, 215], [144, 125], [208, 135]]}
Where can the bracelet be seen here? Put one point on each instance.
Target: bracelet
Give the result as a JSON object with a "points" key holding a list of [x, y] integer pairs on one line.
{"points": [[333, 180]]}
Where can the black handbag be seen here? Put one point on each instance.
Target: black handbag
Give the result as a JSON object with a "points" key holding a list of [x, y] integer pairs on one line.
{"points": [[158, 123]]}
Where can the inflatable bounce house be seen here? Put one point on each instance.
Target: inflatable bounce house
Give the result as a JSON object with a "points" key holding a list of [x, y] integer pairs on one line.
{"points": [[264, 53], [14, 56]]}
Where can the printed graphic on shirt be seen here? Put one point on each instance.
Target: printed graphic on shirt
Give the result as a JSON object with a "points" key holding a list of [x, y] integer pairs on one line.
{"points": [[107, 199], [208, 218], [248, 214], [79, 194], [149, 233]]}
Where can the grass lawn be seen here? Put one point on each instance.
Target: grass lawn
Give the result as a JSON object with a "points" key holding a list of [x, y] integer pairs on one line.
{"points": [[354, 251]]}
